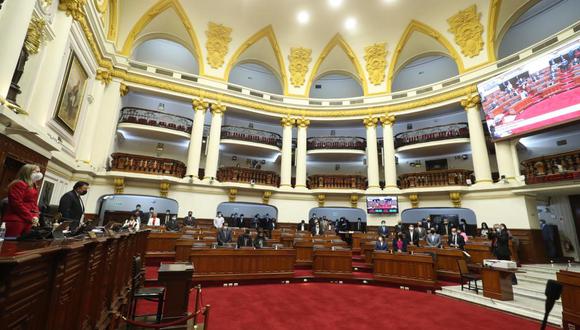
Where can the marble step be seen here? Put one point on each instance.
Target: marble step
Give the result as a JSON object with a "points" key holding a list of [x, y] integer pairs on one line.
{"points": [[532, 294]]}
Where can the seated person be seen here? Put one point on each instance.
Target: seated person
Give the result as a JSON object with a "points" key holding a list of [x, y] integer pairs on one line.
{"points": [[383, 229], [400, 243], [172, 224], [245, 240], [484, 231], [189, 220], [132, 223], [153, 220], [412, 235], [455, 240], [260, 240], [301, 226], [381, 244], [317, 229], [433, 239], [462, 234], [224, 235], [359, 226]]}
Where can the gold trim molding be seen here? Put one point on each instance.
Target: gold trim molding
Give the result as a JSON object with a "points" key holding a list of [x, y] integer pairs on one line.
{"points": [[376, 63], [299, 58], [219, 37], [414, 198], [468, 30], [74, 8], [164, 189], [455, 198], [119, 184], [34, 35], [321, 198], [470, 101], [266, 197], [232, 194]]}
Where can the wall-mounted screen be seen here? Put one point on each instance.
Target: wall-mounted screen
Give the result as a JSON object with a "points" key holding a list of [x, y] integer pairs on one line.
{"points": [[382, 205], [536, 95]]}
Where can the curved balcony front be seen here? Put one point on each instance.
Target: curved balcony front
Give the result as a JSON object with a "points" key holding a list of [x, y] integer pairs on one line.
{"points": [[248, 175], [552, 168], [249, 141], [431, 134], [337, 182], [154, 124], [442, 178], [147, 165], [336, 148]]}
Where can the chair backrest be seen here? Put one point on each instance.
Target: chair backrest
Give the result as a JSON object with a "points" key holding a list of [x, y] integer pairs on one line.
{"points": [[462, 266], [137, 272]]}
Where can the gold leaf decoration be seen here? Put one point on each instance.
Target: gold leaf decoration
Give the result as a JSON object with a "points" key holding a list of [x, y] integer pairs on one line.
{"points": [[74, 8], [217, 44], [375, 56], [34, 35], [468, 31], [299, 58]]}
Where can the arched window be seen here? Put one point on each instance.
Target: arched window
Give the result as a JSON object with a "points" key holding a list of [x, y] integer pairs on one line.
{"points": [[424, 70], [167, 54], [539, 22], [335, 85], [256, 76]]}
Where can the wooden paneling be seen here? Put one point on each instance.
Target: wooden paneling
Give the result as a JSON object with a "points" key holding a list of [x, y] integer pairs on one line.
{"points": [[570, 298], [332, 263], [405, 269], [445, 260], [497, 283], [531, 248]]}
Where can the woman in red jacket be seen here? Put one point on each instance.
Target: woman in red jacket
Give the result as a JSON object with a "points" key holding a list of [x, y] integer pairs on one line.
{"points": [[22, 211]]}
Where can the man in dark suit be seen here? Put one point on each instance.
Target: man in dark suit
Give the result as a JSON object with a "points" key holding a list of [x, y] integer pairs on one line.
{"points": [[359, 226], [399, 227], [433, 239], [224, 235], [312, 220], [172, 224], [422, 232], [383, 229], [137, 212], [245, 240], [240, 221], [189, 220], [412, 235], [445, 227], [317, 229], [71, 206], [456, 240], [302, 226], [381, 244]]}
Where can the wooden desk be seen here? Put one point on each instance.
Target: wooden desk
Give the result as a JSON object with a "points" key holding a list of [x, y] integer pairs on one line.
{"points": [[570, 298], [497, 283], [161, 246], [72, 284], [176, 278], [403, 268], [367, 250], [446, 261], [242, 264], [332, 263], [304, 255], [356, 240], [479, 251]]}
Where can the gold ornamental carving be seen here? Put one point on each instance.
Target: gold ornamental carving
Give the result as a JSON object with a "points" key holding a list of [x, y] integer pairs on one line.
{"points": [[105, 76], [232, 193], [200, 104], [321, 198], [217, 44], [287, 121], [299, 58], [164, 189], [455, 198], [371, 122], [266, 197], [375, 57], [302, 122], [74, 8], [119, 185], [123, 90], [218, 108], [468, 31], [388, 119], [354, 200], [414, 198], [34, 35], [470, 101]]}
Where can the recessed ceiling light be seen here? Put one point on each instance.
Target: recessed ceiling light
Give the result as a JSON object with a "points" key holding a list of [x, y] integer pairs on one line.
{"points": [[350, 23], [303, 17], [334, 3], [389, 2]]}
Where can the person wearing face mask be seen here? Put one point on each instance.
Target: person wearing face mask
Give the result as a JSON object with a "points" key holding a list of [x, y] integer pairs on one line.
{"points": [[189, 220], [433, 239], [260, 240], [456, 240], [21, 213], [137, 212], [71, 205], [381, 244], [218, 221], [413, 235], [400, 243]]}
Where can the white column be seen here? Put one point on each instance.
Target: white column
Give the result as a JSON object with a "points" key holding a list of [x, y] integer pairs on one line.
{"points": [[90, 122], [389, 152], [302, 134], [40, 108], [196, 139], [213, 152], [108, 117], [477, 138], [515, 158], [372, 153], [505, 161], [286, 166], [14, 26]]}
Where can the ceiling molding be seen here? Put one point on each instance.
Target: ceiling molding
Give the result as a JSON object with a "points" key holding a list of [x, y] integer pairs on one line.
{"points": [[418, 56], [153, 12], [337, 40], [416, 26], [268, 33], [494, 6], [113, 29], [511, 20], [159, 35]]}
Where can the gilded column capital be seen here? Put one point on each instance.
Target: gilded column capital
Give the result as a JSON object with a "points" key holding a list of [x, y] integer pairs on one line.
{"points": [[302, 122], [371, 122], [232, 193], [287, 121], [34, 35], [321, 198], [388, 119], [200, 104], [470, 101], [455, 198], [104, 76], [218, 108], [164, 189], [266, 197], [354, 200], [74, 8], [123, 89], [414, 198], [119, 185]]}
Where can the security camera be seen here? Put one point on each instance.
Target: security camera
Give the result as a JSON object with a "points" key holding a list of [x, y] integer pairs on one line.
{"points": [[252, 182]]}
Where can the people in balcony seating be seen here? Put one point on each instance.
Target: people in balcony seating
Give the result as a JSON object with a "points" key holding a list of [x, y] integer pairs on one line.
{"points": [[153, 220], [240, 221], [433, 239], [21, 213], [260, 240], [189, 220], [455, 240], [218, 221], [400, 243], [245, 240], [381, 244], [412, 236], [383, 229], [302, 226], [224, 234]]}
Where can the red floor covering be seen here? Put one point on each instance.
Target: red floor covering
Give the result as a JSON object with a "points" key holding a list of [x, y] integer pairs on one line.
{"points": [[323, 306]]}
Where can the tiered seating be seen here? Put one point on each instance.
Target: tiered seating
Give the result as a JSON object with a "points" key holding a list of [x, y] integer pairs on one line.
{"points": [[248, 175], [148, 165], [155, 118], [558, 167], [336, 142], [454, 177], [435, 133], [251, 135], [337, 182]]}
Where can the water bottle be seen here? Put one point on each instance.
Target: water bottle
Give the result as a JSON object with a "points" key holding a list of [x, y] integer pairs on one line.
{"points": [[2, 231]]}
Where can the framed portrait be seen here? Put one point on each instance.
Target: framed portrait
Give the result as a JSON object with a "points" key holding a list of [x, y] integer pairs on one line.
{"points": [[70, 97]]}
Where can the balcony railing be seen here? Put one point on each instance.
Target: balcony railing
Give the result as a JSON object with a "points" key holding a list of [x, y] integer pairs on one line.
{"points": [[148, 165], [435, 133], [336, 142], [155, 118], [251, 135], [558, 167], [248, 175], [435, 179], [337, 182]]}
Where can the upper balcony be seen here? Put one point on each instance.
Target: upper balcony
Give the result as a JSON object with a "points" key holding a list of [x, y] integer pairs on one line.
{"points": [[336, 148], [154, 124], [147, 165], [431, 134], [440, 178], [558, 167], [248, 175], [337, 182], [255, 142]]}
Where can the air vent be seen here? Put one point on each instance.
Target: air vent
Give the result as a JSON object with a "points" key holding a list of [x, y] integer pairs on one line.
{"points": [[317, 86], [276, 98], [357, 101], [424, 90], [335, 103], [234, 88], [560, 143], [332, 132], [508, 61], [409, 126], [190, 78], [315, 102], [398, 96], [250, 125], [138, 66], [256, 94], [164, 72], [450, 82], [544, 44]]}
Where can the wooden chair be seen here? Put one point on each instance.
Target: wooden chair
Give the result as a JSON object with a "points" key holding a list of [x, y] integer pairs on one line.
{"points": [[464, 274], [155, 294]]}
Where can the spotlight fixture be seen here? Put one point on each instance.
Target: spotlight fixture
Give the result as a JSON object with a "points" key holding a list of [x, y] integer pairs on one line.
{"points": [[350, 23], [334, 3], [303, 17]]}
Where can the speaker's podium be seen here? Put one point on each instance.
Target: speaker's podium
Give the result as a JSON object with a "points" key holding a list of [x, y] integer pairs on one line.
{"points": [[496, 276], [570, 298], [176, 278]]}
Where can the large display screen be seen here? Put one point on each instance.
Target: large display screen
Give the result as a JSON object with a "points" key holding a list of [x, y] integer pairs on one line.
{"points": [[538, 94], [382, 205]]}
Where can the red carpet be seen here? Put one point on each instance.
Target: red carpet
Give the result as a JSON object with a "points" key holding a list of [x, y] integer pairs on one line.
{"points": [[323, 306]]}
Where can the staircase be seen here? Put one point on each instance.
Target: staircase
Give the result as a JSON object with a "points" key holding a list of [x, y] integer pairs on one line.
{"points": [[529, 298]]}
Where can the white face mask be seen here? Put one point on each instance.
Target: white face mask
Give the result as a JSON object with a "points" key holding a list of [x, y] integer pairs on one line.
{"points": [[36, 176]]}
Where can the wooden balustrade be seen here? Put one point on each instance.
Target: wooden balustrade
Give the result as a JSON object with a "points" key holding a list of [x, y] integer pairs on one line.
{"points": [[337, 182], [251, 135], [154, 118], [147, 165], [248, 175], [434, 133], [435, 178], [336, 142], [550, 168]]}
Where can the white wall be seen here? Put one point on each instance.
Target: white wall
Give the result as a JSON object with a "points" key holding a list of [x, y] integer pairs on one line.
{"points": [[424, 71], [335, 86], [255, 76], [167, 54]]}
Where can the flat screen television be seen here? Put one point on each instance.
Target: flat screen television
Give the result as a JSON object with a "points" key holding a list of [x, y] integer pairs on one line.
{"points": [[382, 205], [540, 93]]}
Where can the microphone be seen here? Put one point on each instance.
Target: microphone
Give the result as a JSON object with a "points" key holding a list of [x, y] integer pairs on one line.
{"points": [[553, 292]]}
